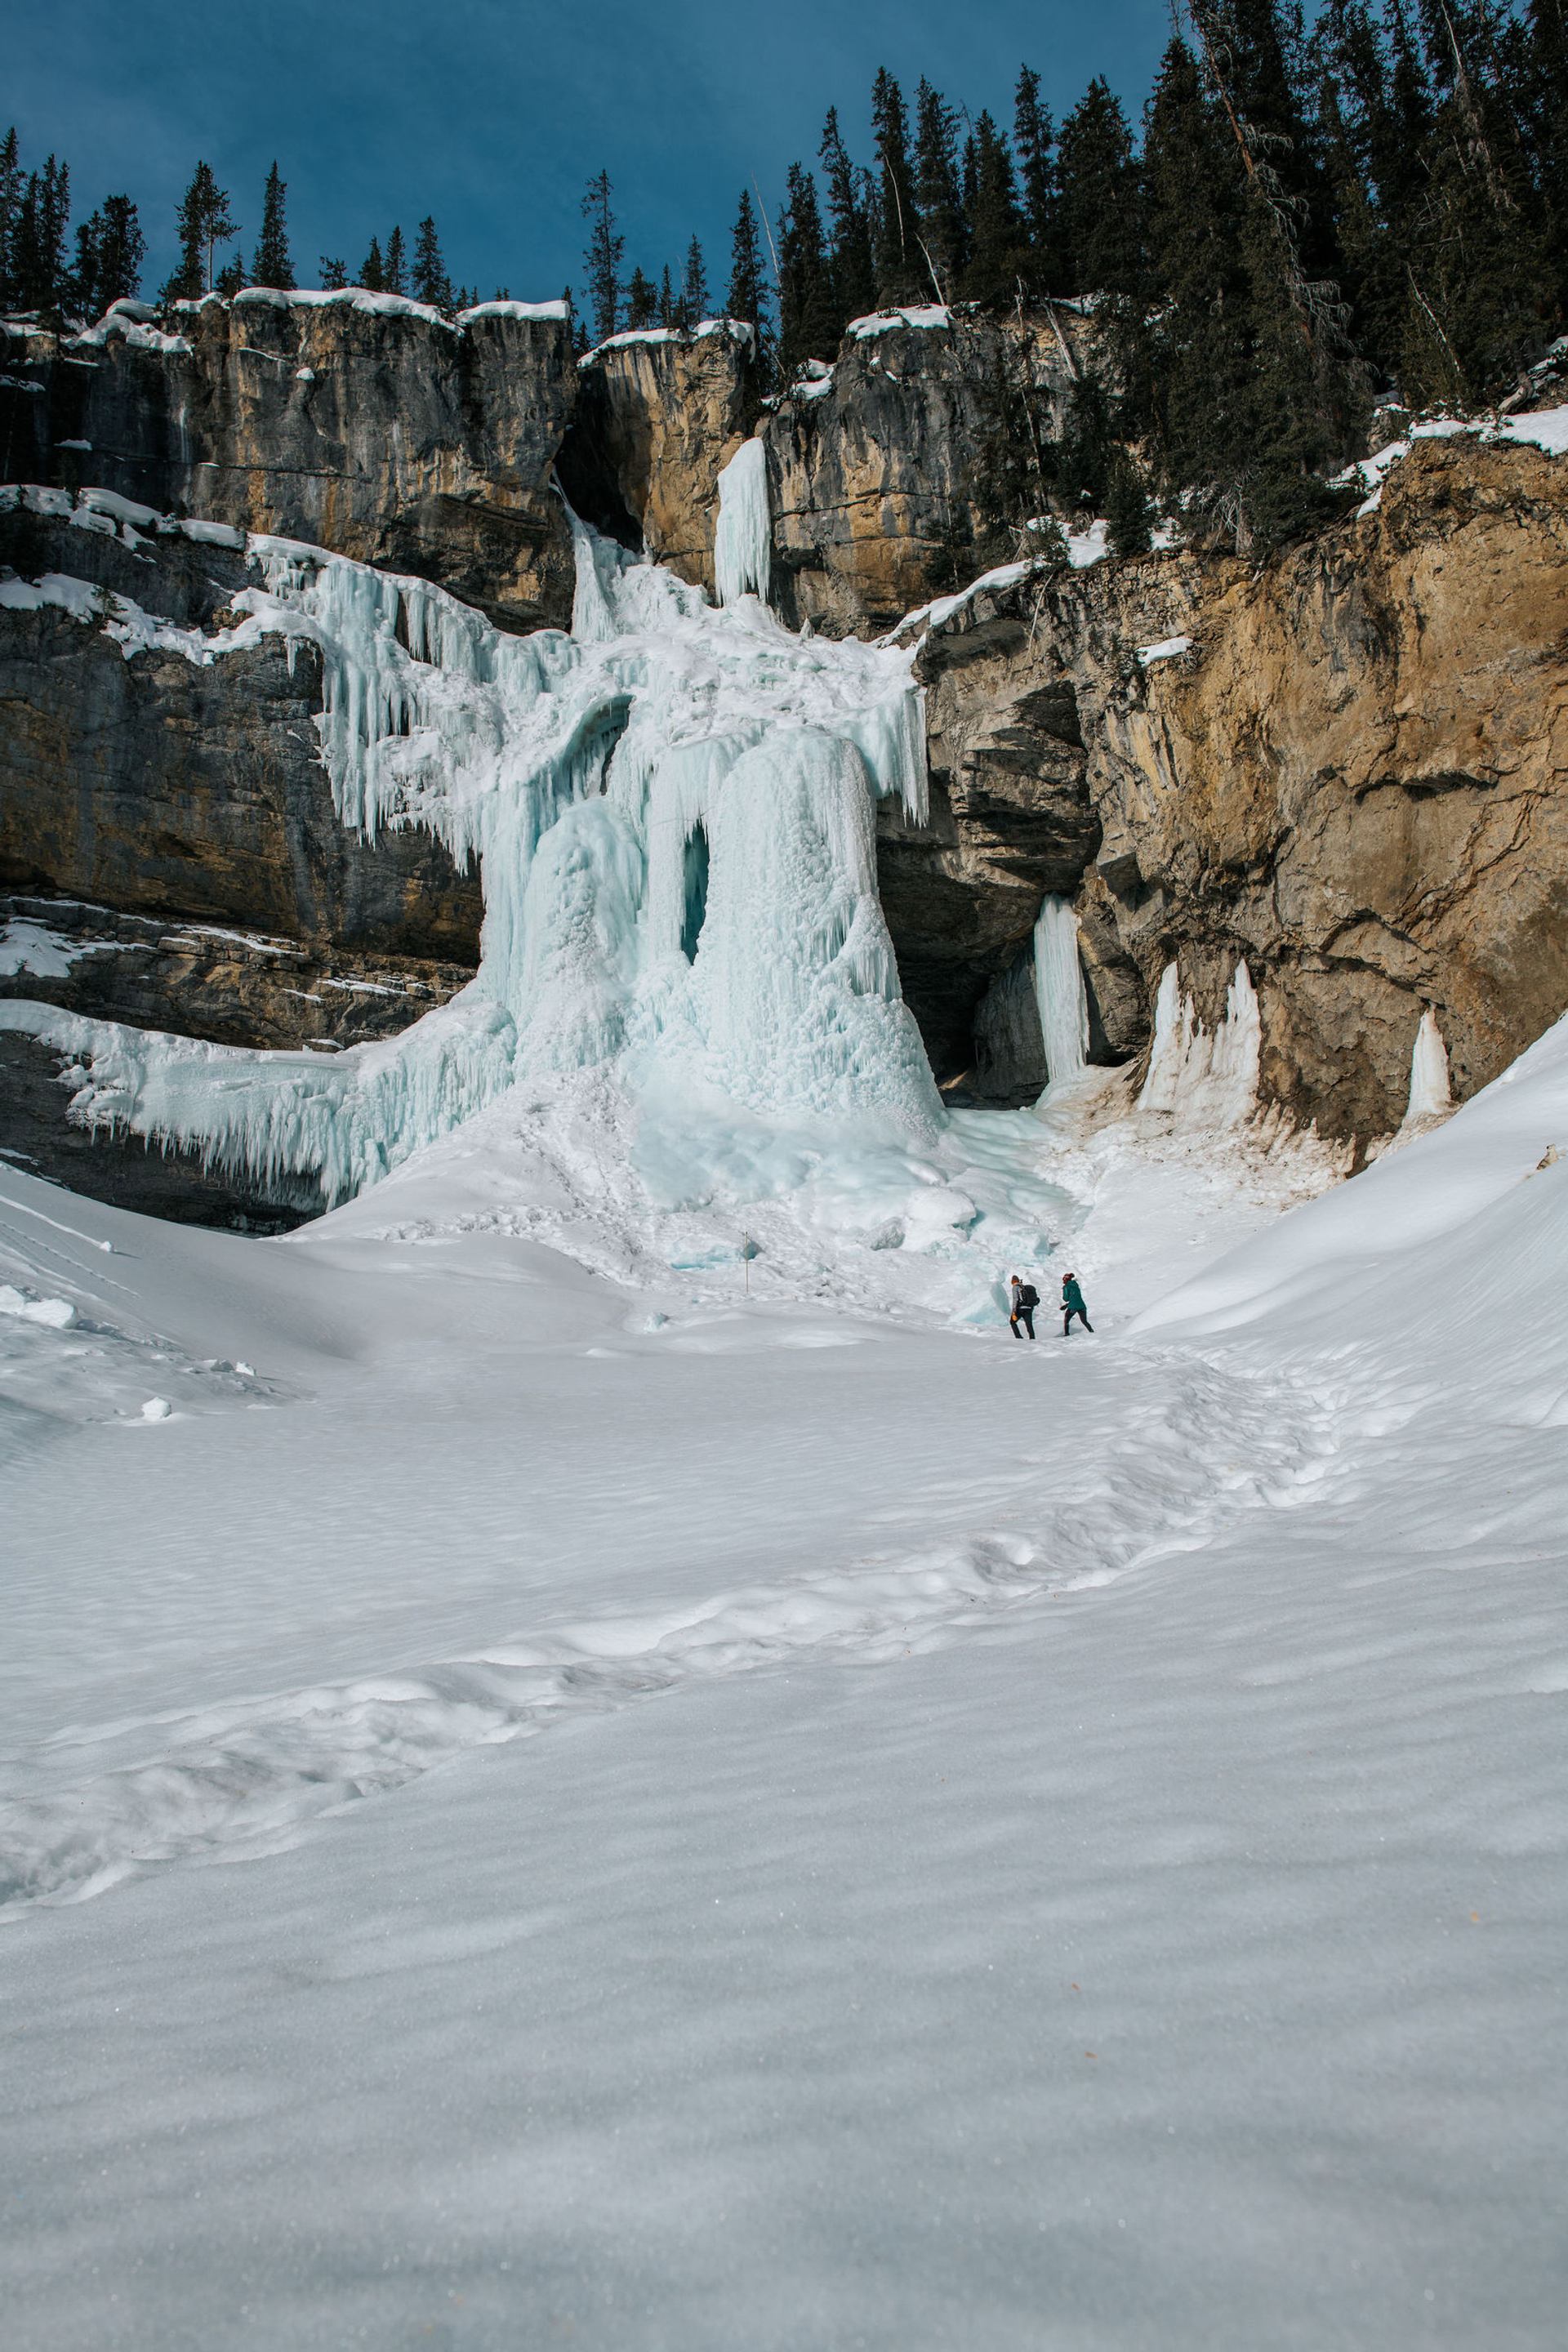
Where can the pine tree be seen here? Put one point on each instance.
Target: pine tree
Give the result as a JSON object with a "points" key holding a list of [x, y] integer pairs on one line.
{"points": [[1127, 509], [10, 211], [601, 257], [944, 245], [695, 300], [669, 308], [642, 301], [1033, 136], [747, 296], [854, 270], [203, 222], [110, 249], [395, 264], [273, 267], [808, 320], [1098, 197], [334, 273], [372, 269], [1198, 360], [39, 240], [996, 229], [431, 283], [900, 272], [230, 277]]}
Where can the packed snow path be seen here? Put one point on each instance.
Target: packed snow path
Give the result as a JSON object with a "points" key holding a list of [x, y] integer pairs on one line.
{"points": [[1156, 1940]]}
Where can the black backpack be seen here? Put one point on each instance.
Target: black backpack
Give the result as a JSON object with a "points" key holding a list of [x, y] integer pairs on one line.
{"points": [[1028, 1296]]}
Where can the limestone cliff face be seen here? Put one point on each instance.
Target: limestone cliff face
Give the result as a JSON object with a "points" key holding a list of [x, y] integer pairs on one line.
{"points": [[657, 418], [875, 468], [1352, 770], [1355, 776], [384, 435], [163, 786]]}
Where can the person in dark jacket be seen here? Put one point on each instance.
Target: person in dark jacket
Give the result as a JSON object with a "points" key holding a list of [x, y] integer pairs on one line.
{"points": [[1072, 1304], [1025, 1299]]}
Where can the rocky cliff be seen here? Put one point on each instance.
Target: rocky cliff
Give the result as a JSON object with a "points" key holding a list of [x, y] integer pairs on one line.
{"points": [[1346, 766], [1349, 768], [361, 422]]}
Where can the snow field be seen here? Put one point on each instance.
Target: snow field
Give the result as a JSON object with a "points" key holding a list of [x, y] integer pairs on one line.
{"points": [[1154, 1938]]}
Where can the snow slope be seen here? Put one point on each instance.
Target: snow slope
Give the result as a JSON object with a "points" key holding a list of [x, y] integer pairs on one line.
{"points": [[774, 1824]]}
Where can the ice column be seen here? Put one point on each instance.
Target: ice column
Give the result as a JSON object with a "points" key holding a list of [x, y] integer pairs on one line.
{"points": [[1059, 991], [1429, 1093], [743, 541], [1196, 1080]]}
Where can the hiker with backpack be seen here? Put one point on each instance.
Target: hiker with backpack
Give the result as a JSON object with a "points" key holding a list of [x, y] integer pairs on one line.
{"points": [[1025, 1299], [1072, 1304]]}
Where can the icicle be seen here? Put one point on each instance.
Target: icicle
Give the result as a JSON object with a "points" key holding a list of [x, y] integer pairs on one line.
{"points": [[1431, 1096], [743, 543], [674, 813], [1198, 1080], [1059, 991]]}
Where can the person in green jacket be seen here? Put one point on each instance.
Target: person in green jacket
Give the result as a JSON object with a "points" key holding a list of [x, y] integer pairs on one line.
{"points": [[1072, 1304]]}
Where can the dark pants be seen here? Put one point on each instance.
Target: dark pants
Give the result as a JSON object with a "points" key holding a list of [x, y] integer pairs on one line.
{"points": [[1025, 1315], [1067, 1320]]}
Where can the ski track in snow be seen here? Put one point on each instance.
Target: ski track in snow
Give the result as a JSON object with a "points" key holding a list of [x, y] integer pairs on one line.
{"points": [[229, 1781]]}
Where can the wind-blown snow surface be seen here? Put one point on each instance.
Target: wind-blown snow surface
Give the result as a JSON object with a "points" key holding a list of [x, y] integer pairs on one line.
{"points": [[880, 1835]]}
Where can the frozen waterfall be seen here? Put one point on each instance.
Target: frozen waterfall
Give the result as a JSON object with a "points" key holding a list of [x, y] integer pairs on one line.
{"points": [[1059, 991], [1202, 1079], [673, 809], [743, 541], [1431, 1096]]}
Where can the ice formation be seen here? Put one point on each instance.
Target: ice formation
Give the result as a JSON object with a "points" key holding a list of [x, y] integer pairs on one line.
{"points": [[1198, 1077], [743, 543], [1430, 1098], [1059, 991], [673, 812]]}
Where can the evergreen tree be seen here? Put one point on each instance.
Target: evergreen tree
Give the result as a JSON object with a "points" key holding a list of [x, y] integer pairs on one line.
{"points": [[695, 300], [39, 240], [854, 268], [1127, 509], [1032, 141], [995, 229], [372, 269], [1481, 278], [10, 211], [230, 277], [901, 272], [431, 283], [944, 244], [395, 264], [110, 251], [334, 274], [668, 307], [642, 300], [808, 319], [1098, 197], [1256, 393], [602, 256], [273, 267], [203, 223], [747, 296]]}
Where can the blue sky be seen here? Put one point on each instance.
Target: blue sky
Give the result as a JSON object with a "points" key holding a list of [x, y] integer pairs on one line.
{"points": [[492, 114]]}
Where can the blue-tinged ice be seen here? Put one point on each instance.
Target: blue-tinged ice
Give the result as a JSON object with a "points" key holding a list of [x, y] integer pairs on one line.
{"points": [[673, 812], [743, 541]]}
